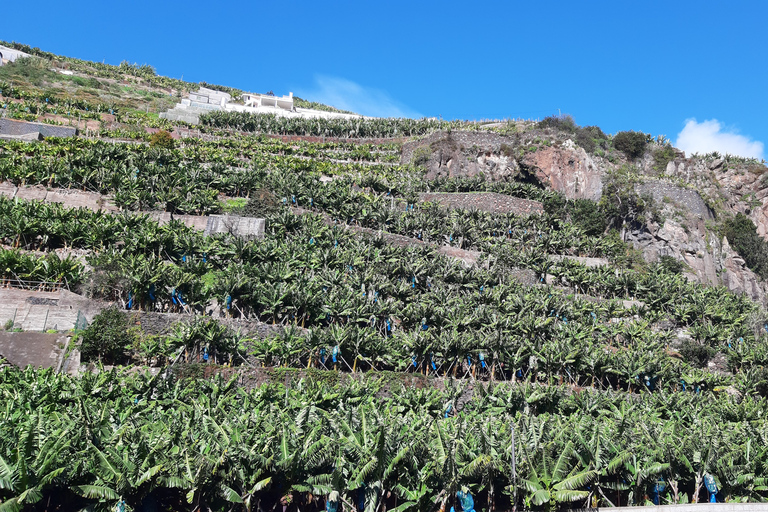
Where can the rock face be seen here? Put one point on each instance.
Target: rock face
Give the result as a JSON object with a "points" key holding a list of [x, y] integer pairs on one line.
{"points": [[684, 236], [682, 190], [464, 154], [568, 169], [562, 165]]}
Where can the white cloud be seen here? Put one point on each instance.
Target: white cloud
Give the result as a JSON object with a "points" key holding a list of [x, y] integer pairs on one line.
{"points": [[710, 135], [347, 95]]}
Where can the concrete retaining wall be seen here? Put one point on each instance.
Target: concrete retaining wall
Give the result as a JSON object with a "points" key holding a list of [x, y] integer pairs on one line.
{"points": [[68, 197], [40, 350], [212, 224], [235, 225], [14, 127]]}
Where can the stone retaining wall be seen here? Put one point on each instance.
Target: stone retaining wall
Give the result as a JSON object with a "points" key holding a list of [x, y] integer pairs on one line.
{"points": [[233, 224], [161, 323], [486, 201]]}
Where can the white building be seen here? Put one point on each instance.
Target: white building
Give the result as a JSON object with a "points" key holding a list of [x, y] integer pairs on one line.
{"points": [[9, 55], [206, 100], [267, 100]]}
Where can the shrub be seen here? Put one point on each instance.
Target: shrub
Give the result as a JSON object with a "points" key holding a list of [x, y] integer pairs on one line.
{"points": [[107, 338], [662, 157], [671, 264], [631, 143], [585, 140], [696, 353], [261, 204], [563, 123], [742, 235], [588, 216], [162, 139], [620, 201]]}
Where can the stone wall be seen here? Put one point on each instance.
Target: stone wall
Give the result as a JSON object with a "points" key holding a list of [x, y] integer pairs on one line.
{"points": [[210, 224], [485, 201], [161, 323]]}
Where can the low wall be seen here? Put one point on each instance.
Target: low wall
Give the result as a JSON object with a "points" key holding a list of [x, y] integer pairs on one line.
{"points": [[70, 198], [41, 350], [14, 127]]}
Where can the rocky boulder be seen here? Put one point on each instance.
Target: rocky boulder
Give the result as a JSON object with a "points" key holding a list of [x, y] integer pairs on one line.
{"points": [[567, 169]]}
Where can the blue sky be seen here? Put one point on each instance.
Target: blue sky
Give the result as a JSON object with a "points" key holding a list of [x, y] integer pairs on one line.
{"points": [[696, 68]]}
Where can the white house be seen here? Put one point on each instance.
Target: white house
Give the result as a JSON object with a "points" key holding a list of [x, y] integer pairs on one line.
{"points": [[267, 100]]}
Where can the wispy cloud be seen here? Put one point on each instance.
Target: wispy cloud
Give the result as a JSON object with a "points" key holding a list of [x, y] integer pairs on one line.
{"points": [[710, 135], [348, 95]]}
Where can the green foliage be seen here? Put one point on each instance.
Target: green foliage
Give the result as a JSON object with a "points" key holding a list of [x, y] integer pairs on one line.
{"points": [[662, 156], [742, 235], [631, 143], [107, 338], [162, 139], [588, 216], [235, 206], [698, 354], [262, 203], [588, 137], [620, 201], [563, 123], [421, 156], [671, 265], [343, 128]]}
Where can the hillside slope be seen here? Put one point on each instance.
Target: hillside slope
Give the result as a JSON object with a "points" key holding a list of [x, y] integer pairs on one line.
{"points": [[416, 306]]}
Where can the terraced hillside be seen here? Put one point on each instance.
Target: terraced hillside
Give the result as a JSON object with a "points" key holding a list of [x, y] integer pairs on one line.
{"points": [[431, 307]]}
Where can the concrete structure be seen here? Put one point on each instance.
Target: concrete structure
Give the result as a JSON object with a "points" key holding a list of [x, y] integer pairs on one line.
{"points": [[69, 197], [200, 102], [269, 100], [206, 100], [10, 55], [33, 310], [41, 350], [207, 96], [233, 224], [246, 227], [24, 130]]}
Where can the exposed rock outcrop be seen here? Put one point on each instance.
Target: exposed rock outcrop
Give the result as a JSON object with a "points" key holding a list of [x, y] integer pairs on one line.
{"points": [[568, 169], [689, 193]]}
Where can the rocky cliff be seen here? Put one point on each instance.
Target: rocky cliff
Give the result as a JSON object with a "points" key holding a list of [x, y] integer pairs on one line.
{"points": [[690, 194]]}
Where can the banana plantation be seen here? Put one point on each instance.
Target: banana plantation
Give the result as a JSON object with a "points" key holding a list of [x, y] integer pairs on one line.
{"points": [[393, 374]]}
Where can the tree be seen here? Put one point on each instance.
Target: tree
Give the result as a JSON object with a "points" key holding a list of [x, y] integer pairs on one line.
{"points": [[162, 139], [631, 143], [107, 338]]}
